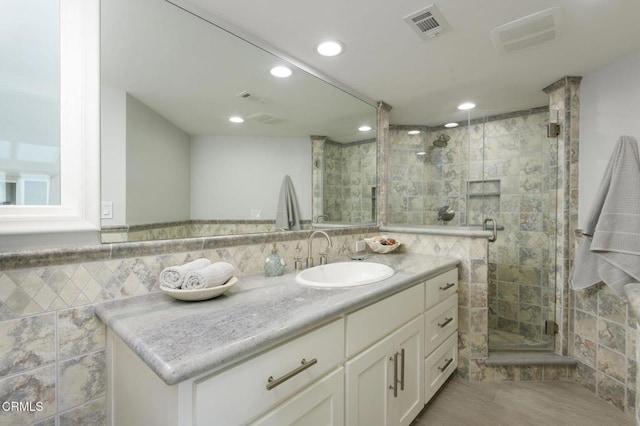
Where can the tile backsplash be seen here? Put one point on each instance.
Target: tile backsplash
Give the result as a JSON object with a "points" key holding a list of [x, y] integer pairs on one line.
{"points": [[52, 346]]}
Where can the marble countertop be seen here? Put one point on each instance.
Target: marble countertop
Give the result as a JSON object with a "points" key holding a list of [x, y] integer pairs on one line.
{"points": [[181, 340]]}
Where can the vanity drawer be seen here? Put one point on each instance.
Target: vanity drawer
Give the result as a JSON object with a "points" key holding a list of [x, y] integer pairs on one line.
{"points": [[439, 365], [439, 322], [441, 287], [240, 393], [370, 324]]}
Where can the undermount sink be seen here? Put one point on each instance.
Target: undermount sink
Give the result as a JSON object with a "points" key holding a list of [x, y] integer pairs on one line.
{"points": [[344, 274]]}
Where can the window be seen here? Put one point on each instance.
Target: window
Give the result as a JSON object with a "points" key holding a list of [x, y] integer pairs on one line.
{"points": [[49, 126]]}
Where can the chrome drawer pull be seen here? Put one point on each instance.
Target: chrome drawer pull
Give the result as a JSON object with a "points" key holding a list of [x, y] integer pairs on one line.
{"points": [[402, 370], [395, 375], [272, 383], [443, 324], [447, 287], [446, 364]]}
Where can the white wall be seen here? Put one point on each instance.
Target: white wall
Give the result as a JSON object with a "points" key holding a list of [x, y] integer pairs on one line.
{"points": [[113, 152], [609, 108], [231, 175], [158, 172]]}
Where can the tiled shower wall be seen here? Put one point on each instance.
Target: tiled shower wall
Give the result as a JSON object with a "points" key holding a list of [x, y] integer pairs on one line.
{"points": [[503, 163], [52, 347], [419, 184], [346, 189], [518, 159], [601, 329]]}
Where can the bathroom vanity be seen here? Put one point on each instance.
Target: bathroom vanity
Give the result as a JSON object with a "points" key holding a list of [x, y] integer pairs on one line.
{"points": [[273, 352]]}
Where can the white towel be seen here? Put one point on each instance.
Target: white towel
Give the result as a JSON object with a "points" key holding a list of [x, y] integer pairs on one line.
{"points": [[288, 216], [173, 276], [212, 276], [610, 248]]}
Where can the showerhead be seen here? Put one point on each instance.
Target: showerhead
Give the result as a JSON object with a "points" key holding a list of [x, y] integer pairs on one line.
{"points": [[441, 141]]}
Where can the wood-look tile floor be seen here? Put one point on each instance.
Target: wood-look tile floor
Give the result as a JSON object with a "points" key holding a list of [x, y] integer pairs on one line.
{"points": [[460, 403]]}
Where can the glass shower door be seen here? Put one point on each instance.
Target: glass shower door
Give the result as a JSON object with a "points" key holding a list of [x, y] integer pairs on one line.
{"points": [[516, 187]]}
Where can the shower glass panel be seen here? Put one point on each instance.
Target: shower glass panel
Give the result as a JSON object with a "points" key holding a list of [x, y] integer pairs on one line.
{"points": [[428, 171], [501, 167], [515, 183]]}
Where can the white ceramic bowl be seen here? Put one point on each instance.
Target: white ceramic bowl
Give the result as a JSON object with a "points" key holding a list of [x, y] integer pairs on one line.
{"points": [[201, 293], [377, 247]]}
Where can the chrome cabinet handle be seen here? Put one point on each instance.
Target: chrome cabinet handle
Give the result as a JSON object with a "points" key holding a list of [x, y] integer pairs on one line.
{"points": [[272, 383], [446, 364], [402, 370], [447, 287], [395, 375], [446, 321]]}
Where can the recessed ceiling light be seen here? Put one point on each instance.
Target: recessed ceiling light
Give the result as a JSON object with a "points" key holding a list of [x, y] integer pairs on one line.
{"points": [[466, 105], [330, 48], [236, 119], [450, 125], [280, 71], [414, 132], [364, 128]]}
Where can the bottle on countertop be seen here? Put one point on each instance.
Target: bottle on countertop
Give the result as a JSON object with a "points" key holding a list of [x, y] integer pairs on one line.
{"points": [[274, 264]]}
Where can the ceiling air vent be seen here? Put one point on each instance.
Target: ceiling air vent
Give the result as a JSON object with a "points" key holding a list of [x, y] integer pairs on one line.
{"points": [[266, 118], [529, 31], [427, 22]]}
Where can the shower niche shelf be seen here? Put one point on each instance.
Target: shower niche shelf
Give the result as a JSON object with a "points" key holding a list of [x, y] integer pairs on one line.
{"points": [[483, 200], [483, 188]]}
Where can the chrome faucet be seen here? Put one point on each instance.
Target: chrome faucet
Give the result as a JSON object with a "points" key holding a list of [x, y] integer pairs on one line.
{"points": [[323, 256]]}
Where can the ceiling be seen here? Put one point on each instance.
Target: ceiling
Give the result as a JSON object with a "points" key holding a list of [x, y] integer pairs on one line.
{"points": [[424, 81], [192, 73]]}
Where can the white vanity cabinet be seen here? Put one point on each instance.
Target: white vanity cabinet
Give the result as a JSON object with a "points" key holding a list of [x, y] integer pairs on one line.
{"points": [[384, 383], [234, 395], [441, 326], [377, 365], [321, 404]]}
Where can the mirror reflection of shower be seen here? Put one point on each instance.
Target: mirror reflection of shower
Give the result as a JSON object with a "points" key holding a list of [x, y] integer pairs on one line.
{"points": [[441, 141]]}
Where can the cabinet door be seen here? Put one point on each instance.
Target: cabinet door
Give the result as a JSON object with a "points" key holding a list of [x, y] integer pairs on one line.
{"points": [[321, 404], [367, 385], [409, 347]]}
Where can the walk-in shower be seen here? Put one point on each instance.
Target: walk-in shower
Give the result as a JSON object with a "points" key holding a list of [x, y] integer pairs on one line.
{"points": [[496, 167]]}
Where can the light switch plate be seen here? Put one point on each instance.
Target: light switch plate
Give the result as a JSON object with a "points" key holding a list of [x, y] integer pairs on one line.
{"points": [[256, 214], [106, 210]]}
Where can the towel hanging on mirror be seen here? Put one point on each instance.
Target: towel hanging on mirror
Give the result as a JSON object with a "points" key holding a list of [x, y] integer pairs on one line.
{"points": [[288, 215]]}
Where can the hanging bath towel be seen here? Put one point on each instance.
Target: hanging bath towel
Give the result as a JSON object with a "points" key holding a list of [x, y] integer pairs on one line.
{"points": [[288, 216], [610, 247]]}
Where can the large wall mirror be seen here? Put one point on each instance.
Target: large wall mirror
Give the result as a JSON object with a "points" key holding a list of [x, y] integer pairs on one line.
{"points": [[174, 166]]}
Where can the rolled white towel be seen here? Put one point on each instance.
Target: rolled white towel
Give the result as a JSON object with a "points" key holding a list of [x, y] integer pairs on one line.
{"points": [[174, 276], [213, 275]]}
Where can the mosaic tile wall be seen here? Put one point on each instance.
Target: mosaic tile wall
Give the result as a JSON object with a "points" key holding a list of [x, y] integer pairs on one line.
{"points": [[52, 347]]}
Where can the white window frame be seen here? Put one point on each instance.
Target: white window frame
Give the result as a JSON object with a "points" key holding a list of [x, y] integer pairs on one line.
{"points": [[79, 131]]}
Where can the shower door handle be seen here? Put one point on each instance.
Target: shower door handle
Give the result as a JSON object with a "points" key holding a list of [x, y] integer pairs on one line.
{"points": [[494, 228]]}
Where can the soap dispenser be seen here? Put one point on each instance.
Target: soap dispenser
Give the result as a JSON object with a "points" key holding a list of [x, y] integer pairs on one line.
{"points": [[274, 264]]}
